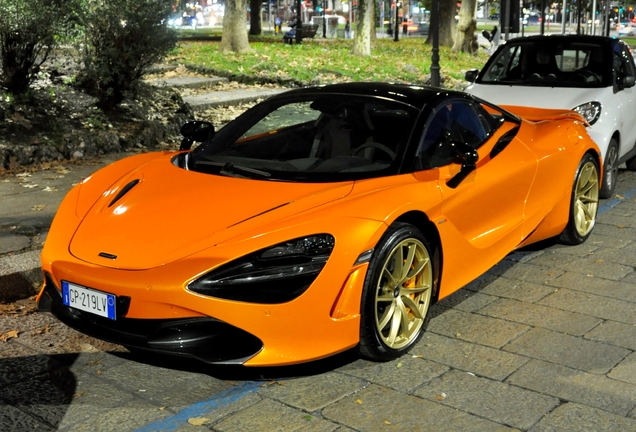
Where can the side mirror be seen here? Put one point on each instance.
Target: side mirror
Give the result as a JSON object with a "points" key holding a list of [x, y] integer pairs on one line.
{"points": [[471, 75], [195, 131], [628, 81], [465, 155]]}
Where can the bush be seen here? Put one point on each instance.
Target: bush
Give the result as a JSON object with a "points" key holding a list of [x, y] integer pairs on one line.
{"points": [[123, 38], [29, 30]]}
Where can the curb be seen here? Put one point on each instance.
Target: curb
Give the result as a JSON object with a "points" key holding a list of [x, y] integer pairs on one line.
{"points": [[228, 98], [20, 276]]}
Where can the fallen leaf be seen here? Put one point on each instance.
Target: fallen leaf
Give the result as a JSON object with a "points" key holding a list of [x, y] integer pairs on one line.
{"points": [[45, 329], [359, 401], [38, 207], [458, 335], [598, 261], [387, 422], [162, 408], [8, 335], [620, 226], [417, 356], [50, 189], [400, 365], [440, 397], [30, 185], [198, 421]]}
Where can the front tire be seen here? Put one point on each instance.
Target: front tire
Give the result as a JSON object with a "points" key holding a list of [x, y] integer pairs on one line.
{"points": [[610, 170], [397, 293], [583, 203]]}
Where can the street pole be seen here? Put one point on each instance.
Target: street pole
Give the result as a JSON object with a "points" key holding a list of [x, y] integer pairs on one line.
{"points": [[563, 9], [434, 27], [324, 21], [594, 17], [396, 32], [506, 21], [299, 23]]}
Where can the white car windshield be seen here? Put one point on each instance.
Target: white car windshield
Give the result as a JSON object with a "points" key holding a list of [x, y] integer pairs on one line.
{"points": [[548, 64]]}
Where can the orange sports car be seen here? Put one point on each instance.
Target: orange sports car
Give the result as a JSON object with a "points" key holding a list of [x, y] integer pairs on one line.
{"points": [[320, 220]]}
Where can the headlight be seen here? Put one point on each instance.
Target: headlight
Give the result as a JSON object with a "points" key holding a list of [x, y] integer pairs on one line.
{"points": [[590, 111], [273, 275]]}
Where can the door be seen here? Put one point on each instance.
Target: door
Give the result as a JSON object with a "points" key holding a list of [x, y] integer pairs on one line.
{"points": [[482, 216]]}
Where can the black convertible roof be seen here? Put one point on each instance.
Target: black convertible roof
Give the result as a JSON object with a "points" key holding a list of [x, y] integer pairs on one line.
{"points": [[415, 95]]}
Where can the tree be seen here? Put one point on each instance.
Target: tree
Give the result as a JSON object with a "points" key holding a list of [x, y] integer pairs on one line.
{"points": [[256, 18], [464, 39], [29, 30], [122, 40], [446, 23], [364, 20], [234, 31]]}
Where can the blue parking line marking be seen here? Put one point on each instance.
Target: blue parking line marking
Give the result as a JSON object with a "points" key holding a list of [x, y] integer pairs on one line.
{"points": [[613, 202], [199, 409]]}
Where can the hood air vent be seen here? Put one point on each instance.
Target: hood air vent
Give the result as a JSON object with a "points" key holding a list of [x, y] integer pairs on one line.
{"points": [[124, 191]]}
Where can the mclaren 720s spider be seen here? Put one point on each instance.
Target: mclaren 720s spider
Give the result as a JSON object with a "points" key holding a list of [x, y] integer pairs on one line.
{"points": [[320, 220]]}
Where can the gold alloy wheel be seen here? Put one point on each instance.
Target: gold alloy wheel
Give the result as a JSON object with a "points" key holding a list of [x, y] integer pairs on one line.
{"points": [[586, 199], [403, 293]]}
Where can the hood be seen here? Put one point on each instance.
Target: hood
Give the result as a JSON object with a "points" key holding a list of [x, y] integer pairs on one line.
{"points": [[160, 213], [540, 97]]}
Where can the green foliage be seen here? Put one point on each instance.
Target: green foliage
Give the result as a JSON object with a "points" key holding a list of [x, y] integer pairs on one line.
{"points": [[122, 39], [315, 62], [29, 30]]}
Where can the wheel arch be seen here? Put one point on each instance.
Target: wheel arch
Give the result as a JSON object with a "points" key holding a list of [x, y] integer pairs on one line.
{"points": [[597, 158], [421, 221]]}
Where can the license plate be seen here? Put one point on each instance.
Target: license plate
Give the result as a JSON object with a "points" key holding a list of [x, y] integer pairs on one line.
{"points": [[88, 300]]}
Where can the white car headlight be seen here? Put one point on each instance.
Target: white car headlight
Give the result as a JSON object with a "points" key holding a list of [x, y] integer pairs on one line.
{"points": [[590, 111]]}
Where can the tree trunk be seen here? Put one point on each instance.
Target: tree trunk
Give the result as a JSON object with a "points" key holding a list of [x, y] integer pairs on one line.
{"points": [[256, 18], [234, 30], [374, 8], [446, 23], [465, 40], [362, 38]]}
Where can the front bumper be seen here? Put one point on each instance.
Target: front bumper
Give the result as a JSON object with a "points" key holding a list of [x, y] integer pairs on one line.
{"points": [[203, 338]]}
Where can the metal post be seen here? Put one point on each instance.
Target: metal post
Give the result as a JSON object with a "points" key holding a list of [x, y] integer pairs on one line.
{"points": [[506, 21], [563, 9], [542, 31], [324, 20], [578, 17], [299, 23], [594, 17], [434, 27], [396, 29]]}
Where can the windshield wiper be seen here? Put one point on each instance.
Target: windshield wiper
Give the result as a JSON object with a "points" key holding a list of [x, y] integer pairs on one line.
{"points": [[228, 168]]}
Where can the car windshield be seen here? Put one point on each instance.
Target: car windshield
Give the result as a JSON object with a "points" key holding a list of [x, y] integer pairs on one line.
{"points": [[310, 138], [549, 63]]}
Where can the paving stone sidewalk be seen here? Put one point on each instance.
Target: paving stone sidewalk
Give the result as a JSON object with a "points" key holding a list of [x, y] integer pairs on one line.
{"points": [[544, 341]]}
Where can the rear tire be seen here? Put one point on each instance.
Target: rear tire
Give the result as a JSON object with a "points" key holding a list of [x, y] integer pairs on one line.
{"points": [[400, 283], [583, 203], [610, 170]]}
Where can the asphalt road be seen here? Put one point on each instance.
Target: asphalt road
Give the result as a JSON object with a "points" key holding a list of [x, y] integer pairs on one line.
{"points": [[544, 341]]}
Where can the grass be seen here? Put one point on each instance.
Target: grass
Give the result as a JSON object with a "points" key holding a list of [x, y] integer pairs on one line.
{"points": [[322, 62]]}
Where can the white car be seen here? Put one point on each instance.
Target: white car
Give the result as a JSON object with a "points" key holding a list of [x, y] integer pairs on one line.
{"points": [[626, 30], [593, 75]]}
